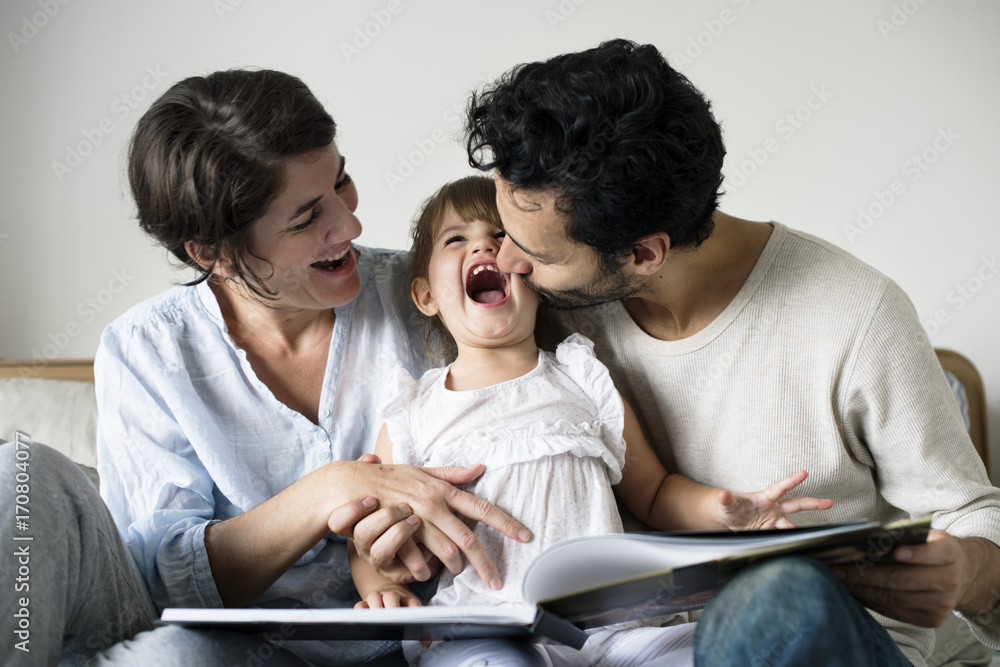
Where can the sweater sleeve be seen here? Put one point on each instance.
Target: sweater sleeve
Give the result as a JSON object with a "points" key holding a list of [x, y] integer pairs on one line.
{"points": [[900, 409]]}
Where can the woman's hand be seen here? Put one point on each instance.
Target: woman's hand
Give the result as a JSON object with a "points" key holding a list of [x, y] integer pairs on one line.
{"points": [[386, 537], [419, 505], [767, 508]]}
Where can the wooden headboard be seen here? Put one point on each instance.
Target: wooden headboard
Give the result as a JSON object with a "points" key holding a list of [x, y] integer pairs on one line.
{"points": [[959, 366], [82, 370], [78, 370]]}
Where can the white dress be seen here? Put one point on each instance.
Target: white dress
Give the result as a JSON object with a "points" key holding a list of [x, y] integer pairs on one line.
{"points": [[552, 444]]}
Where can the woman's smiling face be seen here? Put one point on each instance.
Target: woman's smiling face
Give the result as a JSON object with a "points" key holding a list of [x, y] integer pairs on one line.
{"points": [[303, 240], [479, 305]]}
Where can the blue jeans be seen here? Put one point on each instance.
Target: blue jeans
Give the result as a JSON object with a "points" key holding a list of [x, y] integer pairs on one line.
{"points": [[790, 611]]}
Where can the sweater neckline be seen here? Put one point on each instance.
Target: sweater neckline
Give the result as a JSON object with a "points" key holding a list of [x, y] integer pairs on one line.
{"points": [[628, 327]]}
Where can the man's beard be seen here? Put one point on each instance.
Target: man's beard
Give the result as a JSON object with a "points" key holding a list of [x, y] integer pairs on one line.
{"points": [[614, 286]]}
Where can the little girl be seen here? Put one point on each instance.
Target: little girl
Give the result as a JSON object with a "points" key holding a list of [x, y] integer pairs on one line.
{"points": [[557, 440]]}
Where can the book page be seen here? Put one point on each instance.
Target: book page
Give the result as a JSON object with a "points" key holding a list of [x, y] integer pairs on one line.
{"points": [[588, 562]]}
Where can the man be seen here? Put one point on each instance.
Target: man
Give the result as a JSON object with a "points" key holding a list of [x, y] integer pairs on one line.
{"points": [[748, 349]]}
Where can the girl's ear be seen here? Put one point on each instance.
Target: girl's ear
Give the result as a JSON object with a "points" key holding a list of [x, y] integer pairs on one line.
{"points": [[420, 291]]}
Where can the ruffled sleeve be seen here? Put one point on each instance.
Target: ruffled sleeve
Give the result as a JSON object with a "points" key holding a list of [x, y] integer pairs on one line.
{"points": [[402, 392], [576, 357]]}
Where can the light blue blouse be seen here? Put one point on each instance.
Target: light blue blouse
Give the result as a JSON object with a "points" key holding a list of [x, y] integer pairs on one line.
{"points": [[188, 435]]}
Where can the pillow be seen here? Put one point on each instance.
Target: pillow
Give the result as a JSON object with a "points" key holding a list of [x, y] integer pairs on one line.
{"points": [[961, 397], [58, 413]]}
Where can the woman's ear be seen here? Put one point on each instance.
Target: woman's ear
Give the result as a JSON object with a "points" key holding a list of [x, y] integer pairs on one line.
{"points": [[203, 255], [420, 290], [649, 253], [207, 258]]}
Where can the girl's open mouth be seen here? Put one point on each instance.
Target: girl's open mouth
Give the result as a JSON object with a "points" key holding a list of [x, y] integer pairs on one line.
{"points": [[485, 284]]}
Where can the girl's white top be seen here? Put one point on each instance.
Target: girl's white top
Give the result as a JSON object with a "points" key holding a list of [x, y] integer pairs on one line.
{"points": [[552, 444]]}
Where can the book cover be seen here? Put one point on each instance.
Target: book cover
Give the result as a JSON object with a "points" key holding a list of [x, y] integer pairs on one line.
{"points": [[525, 622]]}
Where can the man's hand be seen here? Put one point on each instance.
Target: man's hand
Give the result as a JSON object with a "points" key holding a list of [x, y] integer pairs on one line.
{"points": [[767, 508], [930, 581]]}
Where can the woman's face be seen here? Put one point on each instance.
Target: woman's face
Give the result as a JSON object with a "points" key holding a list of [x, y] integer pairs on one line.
{"points": [[306, 235]]}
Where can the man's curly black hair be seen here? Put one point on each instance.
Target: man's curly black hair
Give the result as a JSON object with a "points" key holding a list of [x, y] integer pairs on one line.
{"points": [[626, 143]]}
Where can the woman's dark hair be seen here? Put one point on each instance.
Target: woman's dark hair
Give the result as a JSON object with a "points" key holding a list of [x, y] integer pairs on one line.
{"points": [[626, 143], [472, 198], [207, 159]]}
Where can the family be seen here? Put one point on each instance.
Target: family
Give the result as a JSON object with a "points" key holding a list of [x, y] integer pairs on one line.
{"points": [[313, 423]]}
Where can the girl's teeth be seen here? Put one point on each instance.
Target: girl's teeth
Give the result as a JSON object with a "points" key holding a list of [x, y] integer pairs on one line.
{"points": [[484, 267]]}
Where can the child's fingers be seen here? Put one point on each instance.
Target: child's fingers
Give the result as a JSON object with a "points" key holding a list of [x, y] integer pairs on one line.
{"points": [[793, 505], [781, 487]]}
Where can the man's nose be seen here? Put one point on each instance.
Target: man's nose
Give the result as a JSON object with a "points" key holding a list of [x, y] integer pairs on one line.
{"points": [[510, 259]]}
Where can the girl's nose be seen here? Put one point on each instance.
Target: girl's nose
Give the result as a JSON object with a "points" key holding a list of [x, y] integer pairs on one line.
{"points": [[486, 245]]}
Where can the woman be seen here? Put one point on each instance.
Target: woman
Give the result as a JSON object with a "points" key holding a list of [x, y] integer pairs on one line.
{"points": [[234, 409]]}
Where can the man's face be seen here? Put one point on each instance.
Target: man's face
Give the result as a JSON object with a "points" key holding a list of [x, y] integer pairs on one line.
{"points": [[566, 274]]}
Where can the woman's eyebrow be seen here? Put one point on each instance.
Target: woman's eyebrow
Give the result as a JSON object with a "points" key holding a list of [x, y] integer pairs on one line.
{"points": [[305, 207], [312, 202]]}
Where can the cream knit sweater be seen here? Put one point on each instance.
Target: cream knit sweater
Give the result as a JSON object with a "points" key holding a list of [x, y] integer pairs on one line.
{"points": [[819, 363]]}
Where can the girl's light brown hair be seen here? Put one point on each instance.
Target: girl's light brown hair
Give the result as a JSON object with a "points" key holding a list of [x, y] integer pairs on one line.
{"points": [[472, 198]]}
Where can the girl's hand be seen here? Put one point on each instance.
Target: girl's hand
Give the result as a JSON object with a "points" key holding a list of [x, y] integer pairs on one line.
{"points": [[767, 508], [389, 596], [422, 503]]}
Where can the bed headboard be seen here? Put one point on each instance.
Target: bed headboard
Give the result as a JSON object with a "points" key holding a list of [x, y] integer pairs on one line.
{"points": [[78, 370]]}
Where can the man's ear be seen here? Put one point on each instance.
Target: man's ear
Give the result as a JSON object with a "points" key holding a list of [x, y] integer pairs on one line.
{"points": [[649, 253], [420, 291]]}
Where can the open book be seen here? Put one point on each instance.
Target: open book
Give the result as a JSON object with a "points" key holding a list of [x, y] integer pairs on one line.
{"points": [[583, 583]]}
